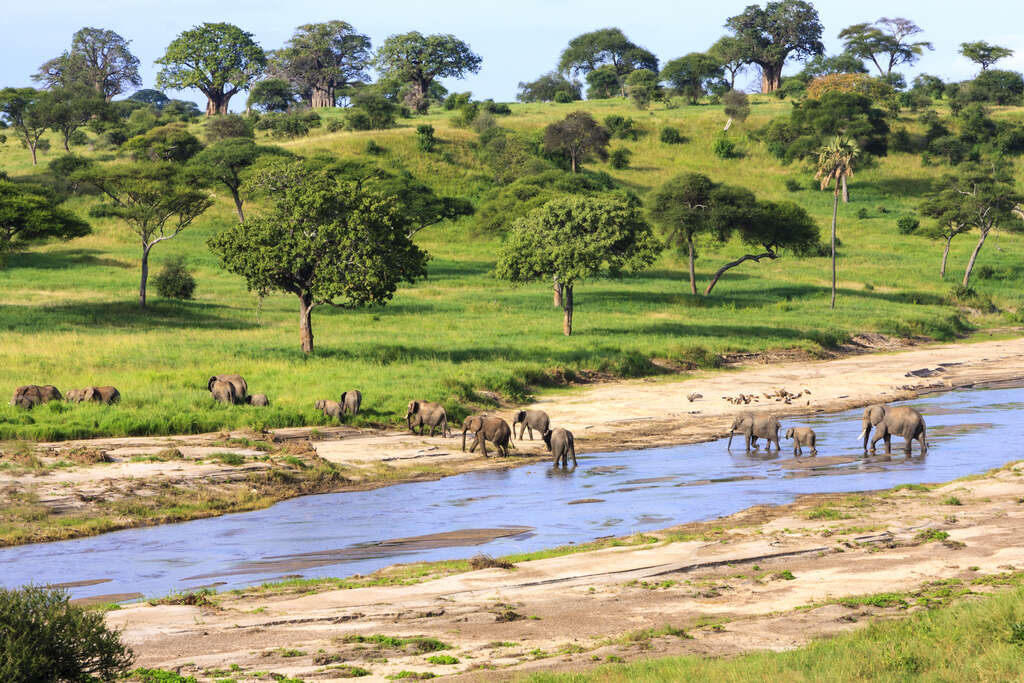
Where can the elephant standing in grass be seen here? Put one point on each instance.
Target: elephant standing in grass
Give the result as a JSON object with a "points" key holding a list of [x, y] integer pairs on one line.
{"points": [[560, 442], [487, 428], [236, 381], [802, 436], [32, 395], [350, 401], [259, 400], [329, 408], [754, 427], [426, 414], [224, 391], [104, 395], [529, 420], [890, 421]]}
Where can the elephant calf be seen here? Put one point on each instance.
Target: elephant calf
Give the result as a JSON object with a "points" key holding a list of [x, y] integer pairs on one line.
{"points": [[561, 443], [350, 401], [528, 420], [260, 400], [487, 428], [802, 436], [426, 414], [32, 395], [239, 387], [329, 408]]}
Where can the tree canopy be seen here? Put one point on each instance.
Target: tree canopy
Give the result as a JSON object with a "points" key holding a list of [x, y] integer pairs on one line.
{"points": [[693, 75], [225, 162], [99, 59], [271, 95], [887, 43], [27, 111], [548, 87], [579, 137], [321, 60], [418, 60], [218, 59], [769, 36], [983, 53], [606, 47], [30, 213]]}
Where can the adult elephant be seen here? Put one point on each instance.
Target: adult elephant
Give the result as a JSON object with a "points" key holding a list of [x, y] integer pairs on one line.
{"points": [[487, 428], [236, 381], [529, 420], [106, 395], [561, 442], [754, 427], [890, 421], [426, 414], [351, 401], [224, 391], [32, 395]]}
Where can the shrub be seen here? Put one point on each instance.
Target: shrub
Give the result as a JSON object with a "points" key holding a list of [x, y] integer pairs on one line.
{"points": [[373, 148], [619, 158], [862, 213], [907, 224], [335, 125], [425, 137], [672, 136], [621, 127], [984, 272], [562, 97], [175, 281], [43, 638], [724, 148], [371, 111], [496, 108], [226, 126], [793, 185]]}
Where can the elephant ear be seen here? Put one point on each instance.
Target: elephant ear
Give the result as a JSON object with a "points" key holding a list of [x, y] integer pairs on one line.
{"points": [[89, 394], [877, 414], [343, 396], [415, 406], [209, 383]]}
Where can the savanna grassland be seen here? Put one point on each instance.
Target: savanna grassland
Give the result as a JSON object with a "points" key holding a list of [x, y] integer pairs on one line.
{"points": [[69, 315]]}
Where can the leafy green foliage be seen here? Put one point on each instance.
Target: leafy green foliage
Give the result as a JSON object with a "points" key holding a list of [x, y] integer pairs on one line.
{"points": [[417, 60], [619, 158], [642, 87], [548, 87], [813, 121], [983, 53], [606, 49], [578, 137], [99, 60], [723, 147], [886, 43], [323, 60], [425, 139], [694, 75], [736, 105], [371, 110], [768, 36], [907, 224], [174, 281], [226, 163], [30, 213], [27, 111], [226, 126], [170, 142], [671, 136], [272, 95]]}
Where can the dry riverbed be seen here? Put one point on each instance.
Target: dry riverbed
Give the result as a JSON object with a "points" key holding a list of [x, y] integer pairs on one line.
{"points": [[61, 490]]}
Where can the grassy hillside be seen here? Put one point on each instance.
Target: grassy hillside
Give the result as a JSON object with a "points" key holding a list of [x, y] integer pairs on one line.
{"points": [[68, 312]]}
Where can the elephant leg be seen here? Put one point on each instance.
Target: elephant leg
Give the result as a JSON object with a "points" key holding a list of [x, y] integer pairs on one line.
{"points": [[888, 443], [483, 442], [747, 441], [796, 450], [530, 430]]}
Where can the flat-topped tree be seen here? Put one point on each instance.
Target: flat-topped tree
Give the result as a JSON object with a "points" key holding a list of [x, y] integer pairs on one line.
{"points": [[323, 239], [681, 208], [29, 214], [27, 112], [99, 59], [218, 59], [769, 36], [225, 163], [319, 60], [576, 238], [418, 60], [984, 54], [588, 52], [887, 43], [693, 74], [152, 198]]}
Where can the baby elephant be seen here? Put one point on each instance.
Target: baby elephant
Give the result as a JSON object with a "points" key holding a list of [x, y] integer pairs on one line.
{"points": [[528, 420], [260, 400], [486, 428], [350, 401], [561, 443], [329, 408], [32, 395], [802, 436]]}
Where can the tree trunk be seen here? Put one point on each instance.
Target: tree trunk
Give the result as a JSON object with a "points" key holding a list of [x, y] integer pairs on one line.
{"points": [[771, 77], [572, 160], [733, 264], [32, 148], [974, 256], [835, 213], [322, 96], [846, 192], [144, 276], [238, 204], [945, 255], [217, 103], [556, 288], [67, 146], [693, 275], [306, 322], [567, 307]]}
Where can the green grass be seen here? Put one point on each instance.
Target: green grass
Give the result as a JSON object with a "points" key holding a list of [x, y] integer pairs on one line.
{"points": [[68, 315], [977, 640]]}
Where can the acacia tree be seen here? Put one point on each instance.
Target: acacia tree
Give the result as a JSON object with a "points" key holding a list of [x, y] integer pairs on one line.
{"points": [[769, 36], [577, 238], [71, 108], [27, 111], [225, 162], [152, 198], [321, 59], [983, 53], [29, 214], [418, 60], [887, 43], [588, 52], [951, 219], [218, 59], [835, 163], [549, 86], [324, 240], [680, 208], [729, 52], [692, 74], [578, 136], [98, 59]]}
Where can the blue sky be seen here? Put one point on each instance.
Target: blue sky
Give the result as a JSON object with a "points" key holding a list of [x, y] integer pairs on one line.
{"points": [[518, 39]]}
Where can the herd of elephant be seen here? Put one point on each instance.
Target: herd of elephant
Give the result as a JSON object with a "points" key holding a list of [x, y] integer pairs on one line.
{"points": [[888, 421]]}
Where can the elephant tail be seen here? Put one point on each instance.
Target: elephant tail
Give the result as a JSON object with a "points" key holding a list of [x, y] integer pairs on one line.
{"points": [[924, 438]]}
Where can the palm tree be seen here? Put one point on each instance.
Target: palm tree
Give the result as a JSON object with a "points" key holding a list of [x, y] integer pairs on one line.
{"points": [[835, 162]]}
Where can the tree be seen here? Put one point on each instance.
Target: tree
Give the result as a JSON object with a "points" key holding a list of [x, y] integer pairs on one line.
{"points": [[154, 98], [418, 60], [547, 87], [998, 86], [603, 83], [71, 108], [985, 54], [99, 59], [578, 136], [642, 87], [951, 219], [218, 59], [170, 142], [693, 74], [29, 214], [576, 238], [886, 43], [606, 47], [680, 208], [324, 240], [729, 52], [835, 163], [736, 105], [45, 639], [152, 198], [227, 126], [319, 60], [271, 95], [225, 162], [771, 35], [27, 111]]}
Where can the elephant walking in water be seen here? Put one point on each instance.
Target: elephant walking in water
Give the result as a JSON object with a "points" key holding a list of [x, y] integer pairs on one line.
{"points": [[890, 421], [754, 427], [561, 443]]}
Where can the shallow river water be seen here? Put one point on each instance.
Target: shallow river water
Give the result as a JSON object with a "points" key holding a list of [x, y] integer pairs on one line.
{"points": [[522, 509]]}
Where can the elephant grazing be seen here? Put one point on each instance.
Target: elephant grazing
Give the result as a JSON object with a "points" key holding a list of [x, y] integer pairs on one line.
{"points": [[32, 395], [104, 395], [892, 421], [329, 408], [487, 428], [802, 436], [561, 442], [224, 391], [754, 427], [427, 414], [530, 420], [241, 389], [259, 400], [350, 401]]}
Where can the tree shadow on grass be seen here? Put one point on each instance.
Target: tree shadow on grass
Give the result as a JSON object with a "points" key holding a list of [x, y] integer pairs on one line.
{"points": [[120, 314], [903, 187], [62, 260]]}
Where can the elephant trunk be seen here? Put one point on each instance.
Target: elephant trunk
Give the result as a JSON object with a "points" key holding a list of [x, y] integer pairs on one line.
{"points": [[730, 438], [865, 434]]}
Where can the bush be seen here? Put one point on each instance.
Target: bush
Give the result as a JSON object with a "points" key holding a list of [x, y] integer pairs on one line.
{"points": [[672, 136], [175, 281], [425, 137], [65, 165], [793, 185], [371, 110], [43, 638], [621, 127], [984, 272], [456, 100], [562, 97], [619, 158], [907, 224], [862, 213], [335, 125], [724, 148], [373, 148], [496, 108], [226, 126]]}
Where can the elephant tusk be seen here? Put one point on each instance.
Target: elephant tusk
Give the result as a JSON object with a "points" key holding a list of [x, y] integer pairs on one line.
{"points": [[863, 433]]}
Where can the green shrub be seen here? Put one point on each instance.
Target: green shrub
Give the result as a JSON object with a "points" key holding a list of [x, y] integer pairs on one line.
{"points": [[425, 139], [984, 272], [862, 213], [160, 676], [672, 136], [793, 185], [43, 638], [621, 127], [335, 125], [907, 224], [619, 158], [175, 281], [226, 126], [373, 148], [562, 97], [724, 148]]}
